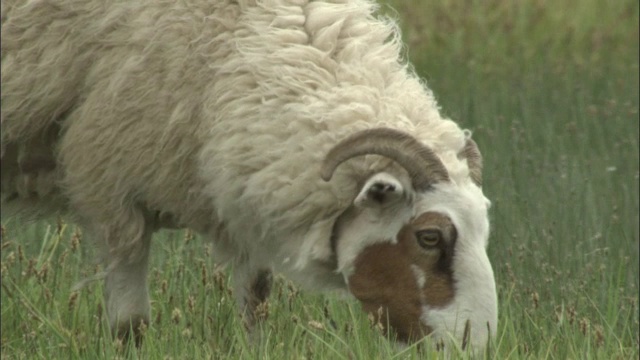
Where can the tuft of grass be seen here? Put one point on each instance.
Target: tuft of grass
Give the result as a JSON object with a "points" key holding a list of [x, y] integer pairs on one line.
{"points": [[550, 89]]}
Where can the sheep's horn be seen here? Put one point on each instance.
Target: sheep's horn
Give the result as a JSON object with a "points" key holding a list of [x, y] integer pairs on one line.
{"points": [[422, 164], [474, 160]]}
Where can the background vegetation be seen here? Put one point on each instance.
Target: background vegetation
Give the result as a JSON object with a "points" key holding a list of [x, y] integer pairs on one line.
{"points": [[550, 89]]}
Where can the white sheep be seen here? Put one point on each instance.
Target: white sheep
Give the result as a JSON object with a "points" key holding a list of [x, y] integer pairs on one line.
{"points": [[289, 132]]}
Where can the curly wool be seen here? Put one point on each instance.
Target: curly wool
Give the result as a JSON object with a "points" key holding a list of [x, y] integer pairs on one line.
{"points": [[214, 114]]}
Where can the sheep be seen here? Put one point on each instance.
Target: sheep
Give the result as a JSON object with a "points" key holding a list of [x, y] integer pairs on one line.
{"points": [[291, 133]]}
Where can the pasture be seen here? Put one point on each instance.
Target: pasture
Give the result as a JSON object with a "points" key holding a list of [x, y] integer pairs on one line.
{"points": [[550, 90]]}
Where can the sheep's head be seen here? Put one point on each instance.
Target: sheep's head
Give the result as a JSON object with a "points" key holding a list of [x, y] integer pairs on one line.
{"points": [[412, 248]]}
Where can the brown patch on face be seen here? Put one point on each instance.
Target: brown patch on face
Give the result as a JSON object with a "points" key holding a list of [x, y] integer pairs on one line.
{"points": [[384, 277]]}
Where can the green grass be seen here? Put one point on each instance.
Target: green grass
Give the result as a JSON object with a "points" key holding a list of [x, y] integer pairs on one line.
{"points": [[550, 89]]}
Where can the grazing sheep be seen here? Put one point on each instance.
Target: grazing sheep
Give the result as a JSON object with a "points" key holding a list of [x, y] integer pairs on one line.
{"points": [[289, 132]]}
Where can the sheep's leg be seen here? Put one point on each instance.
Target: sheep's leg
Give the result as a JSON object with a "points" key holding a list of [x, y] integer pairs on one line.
{"points": [[127, 294], [252, 289], [259, 290]]}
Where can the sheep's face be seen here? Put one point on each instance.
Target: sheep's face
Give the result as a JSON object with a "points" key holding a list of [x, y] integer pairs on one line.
{"points": [[413, 249], [417, 260]]}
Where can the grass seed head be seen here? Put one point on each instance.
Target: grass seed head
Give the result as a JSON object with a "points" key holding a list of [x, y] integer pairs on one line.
{"points": [[191, 303], [10, 259], [375, 320], [41, 275], [203, 274], [30, 268], [188, 236], [176, 316], [558, 314], [47, 294], [316, 325], [571, 314], [535, 299], [180, 271], [598, 333], [262, 311], [73, 300], [63, 257], [30, 335], [584, 326], [142, 329], [75, 241], [118, 345], [219, 280]]}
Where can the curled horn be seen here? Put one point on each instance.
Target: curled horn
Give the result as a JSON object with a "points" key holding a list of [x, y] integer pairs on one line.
{"points": [[422, 164], [474, 160]]}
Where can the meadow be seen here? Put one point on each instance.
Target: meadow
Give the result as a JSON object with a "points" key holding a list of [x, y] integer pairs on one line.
{"points": [[550, 90]]}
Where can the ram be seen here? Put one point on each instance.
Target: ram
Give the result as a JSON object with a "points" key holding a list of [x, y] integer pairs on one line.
{"points": [[291, 133]]}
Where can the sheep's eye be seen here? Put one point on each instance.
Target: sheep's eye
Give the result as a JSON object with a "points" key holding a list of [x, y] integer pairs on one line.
{"points": [[429, 238]]}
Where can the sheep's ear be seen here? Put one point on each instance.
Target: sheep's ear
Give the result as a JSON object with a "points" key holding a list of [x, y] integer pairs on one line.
{"points": [[381, 189]]}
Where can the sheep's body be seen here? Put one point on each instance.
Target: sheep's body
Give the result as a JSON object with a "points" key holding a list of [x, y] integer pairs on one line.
{"points": [[160, 109], [212, 115]]}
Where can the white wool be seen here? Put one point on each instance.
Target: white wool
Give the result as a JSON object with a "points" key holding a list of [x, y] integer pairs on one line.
{"points": [[292, 90]]}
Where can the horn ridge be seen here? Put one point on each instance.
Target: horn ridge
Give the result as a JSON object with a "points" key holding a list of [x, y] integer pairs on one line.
{"points": [[474, 160], [422, 164]]}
